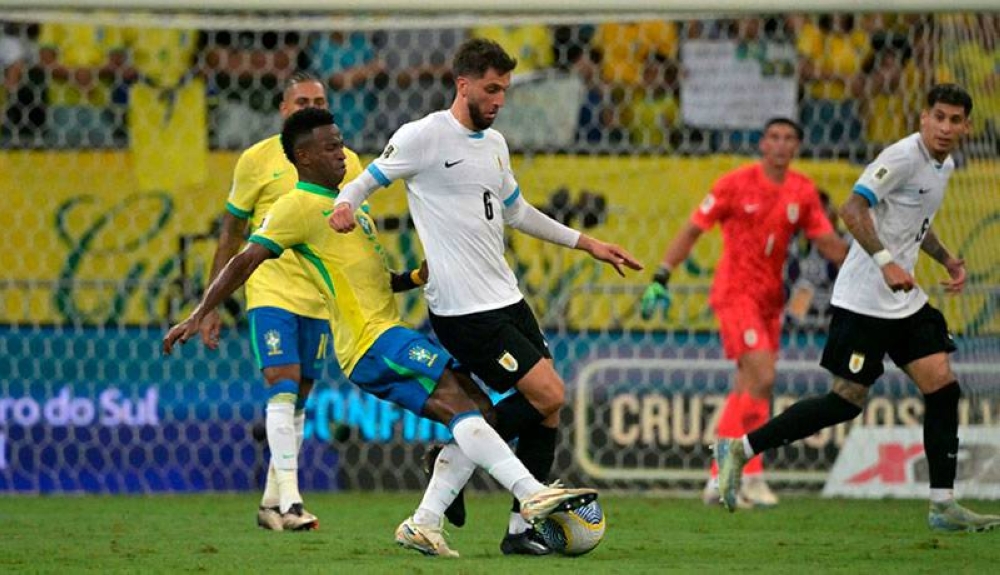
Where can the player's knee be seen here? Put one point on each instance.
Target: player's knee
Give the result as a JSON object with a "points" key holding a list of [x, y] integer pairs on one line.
{"points": [[548, 400], [447, 400], [845, 408]]}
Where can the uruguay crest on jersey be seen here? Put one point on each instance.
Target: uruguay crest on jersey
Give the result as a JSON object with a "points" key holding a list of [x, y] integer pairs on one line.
{"points": [[793, 213]]}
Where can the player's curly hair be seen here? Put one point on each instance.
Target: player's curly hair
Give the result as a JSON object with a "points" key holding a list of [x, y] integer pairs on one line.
{"points": [[950, 94], [299, 126], [478, 55]]}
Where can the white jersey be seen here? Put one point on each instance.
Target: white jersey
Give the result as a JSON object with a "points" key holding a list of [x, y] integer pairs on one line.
{"points": [[457, 184], [905, 186]]}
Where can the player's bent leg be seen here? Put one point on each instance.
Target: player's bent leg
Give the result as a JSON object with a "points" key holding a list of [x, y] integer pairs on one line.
{"points": [[455, 512], [484, 447]]}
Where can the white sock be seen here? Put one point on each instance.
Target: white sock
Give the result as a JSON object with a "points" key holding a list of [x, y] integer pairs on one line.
{"points": [[271, 497], [942, 495], [747, 450], [284, 456], [480, 443], [452, 471], [300, 430], [516, 524]]}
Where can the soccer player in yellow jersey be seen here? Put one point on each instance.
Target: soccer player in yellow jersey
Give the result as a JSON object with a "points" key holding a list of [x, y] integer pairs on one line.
{"points": [[376, 350], [288, 326]]}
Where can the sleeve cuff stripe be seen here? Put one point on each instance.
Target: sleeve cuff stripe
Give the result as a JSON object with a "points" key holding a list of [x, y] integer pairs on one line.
{"points": [[512, 198], [866, 193], [378, 175], [241, 214], [270, 245]]}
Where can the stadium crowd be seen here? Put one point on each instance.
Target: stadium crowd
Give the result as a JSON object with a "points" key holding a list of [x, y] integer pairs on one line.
{"points": [[859, 78]]}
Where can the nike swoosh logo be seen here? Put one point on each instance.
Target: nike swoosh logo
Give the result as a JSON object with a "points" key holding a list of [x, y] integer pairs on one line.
{"points": [[923, 191], [278, 174], [327, 212], [448, 164], [751, 208]]}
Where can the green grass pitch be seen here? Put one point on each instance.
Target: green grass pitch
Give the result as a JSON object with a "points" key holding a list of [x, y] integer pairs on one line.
{"points": [[215, 533]]}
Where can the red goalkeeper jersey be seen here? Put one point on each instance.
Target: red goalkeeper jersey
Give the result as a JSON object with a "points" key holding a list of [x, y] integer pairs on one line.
{"points": [[758, 219]]}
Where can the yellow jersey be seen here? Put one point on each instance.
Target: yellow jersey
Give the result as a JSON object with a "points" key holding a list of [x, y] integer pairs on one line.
{"points": [[263, 174], [350, 269]]}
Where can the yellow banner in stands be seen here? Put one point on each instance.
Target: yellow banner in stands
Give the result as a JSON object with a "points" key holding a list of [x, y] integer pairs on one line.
{"points": [[85, 246]]}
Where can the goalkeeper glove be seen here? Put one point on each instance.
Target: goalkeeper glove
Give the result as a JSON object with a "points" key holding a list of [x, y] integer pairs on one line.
{"points": [[657, 295]]}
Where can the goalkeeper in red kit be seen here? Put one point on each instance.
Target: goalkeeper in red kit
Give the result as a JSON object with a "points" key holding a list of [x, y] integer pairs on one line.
{"points": [[759, 208]]}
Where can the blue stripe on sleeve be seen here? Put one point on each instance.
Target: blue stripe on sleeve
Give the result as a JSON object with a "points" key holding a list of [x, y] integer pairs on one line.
{"points": [[512, 198], [378, 175], [866, 193]]}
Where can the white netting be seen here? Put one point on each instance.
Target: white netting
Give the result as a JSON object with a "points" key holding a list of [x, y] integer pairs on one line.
{"points": [[121, 130]]}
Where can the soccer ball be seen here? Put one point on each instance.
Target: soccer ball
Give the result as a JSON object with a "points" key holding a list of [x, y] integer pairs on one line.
{"points": [[574, 532]]}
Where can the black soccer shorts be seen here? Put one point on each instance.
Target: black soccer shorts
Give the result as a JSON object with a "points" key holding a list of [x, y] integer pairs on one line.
{"points": [[857, 343], [498, 346]]}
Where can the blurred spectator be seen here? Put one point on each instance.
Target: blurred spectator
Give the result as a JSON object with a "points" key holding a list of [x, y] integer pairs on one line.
{"points": [[21, 100], [347, 63], [531, 44], [885, 89], [625, 48], [13, 59], [569, 42], [831, 52], [418, 63], [598, 123], [245, 71], [653, 113], [972, 59], [78, 63]]}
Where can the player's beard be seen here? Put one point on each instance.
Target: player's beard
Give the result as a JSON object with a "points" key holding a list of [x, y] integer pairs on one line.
{"points": [[478, 119]]}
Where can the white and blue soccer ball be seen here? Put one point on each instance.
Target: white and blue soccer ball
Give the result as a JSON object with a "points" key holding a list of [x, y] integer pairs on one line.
{"points": [[574, 532]]}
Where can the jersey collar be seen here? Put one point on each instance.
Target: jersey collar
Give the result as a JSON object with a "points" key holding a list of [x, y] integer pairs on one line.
{"points": [[316, 189], [470, 133]]}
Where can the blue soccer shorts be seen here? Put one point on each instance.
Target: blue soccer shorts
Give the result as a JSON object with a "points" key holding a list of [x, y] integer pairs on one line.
{"points": [[403, 367], [280, 337]]}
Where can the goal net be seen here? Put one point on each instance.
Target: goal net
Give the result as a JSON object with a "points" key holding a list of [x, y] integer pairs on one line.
{"points": [[121, 128]]}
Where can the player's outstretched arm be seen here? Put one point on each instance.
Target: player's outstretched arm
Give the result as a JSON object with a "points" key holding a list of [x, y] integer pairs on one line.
{"points": [[231, 235], [932, 246], [613, 254], [233, 275], [856, 214]]}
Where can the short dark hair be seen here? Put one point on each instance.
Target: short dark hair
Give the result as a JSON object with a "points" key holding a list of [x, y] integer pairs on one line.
{"points": [[299, 126], [477, 55], [783, 121], [950, 94], [299, 77]]}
